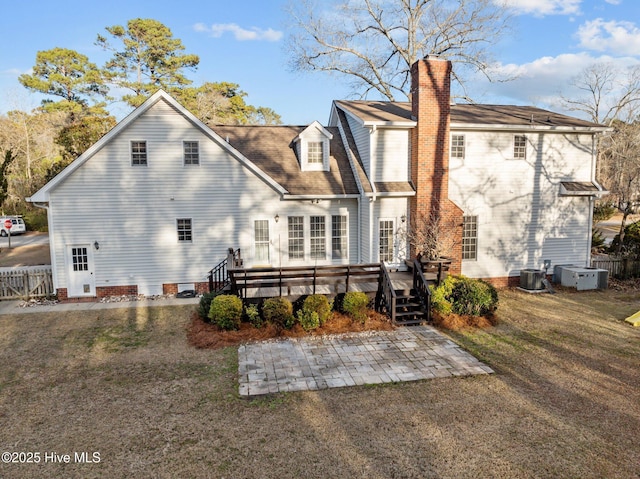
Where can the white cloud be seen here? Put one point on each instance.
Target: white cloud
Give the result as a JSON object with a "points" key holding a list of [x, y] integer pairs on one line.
{"points": [[241, 34], [545, 7], [620, 37], [613, 2], [542, 81]]}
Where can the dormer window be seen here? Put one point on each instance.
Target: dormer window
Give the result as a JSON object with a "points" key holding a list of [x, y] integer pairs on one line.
{"points": [[315, 153], [312, 147]]}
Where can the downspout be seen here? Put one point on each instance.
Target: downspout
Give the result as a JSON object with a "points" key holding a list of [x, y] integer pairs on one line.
{"points": [[52, 249], [359, 229]]}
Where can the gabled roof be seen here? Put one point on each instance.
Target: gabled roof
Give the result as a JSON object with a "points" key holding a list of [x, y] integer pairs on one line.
{"points": [[381, 113], [271, 149], [42, 195]]}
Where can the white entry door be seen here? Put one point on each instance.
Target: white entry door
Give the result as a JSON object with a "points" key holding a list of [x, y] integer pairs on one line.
{"points": [[82, 281]]}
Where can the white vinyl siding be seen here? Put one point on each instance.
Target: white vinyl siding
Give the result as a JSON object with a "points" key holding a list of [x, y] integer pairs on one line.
{"points": [[131, 212], [390, 154], [522, 221]]}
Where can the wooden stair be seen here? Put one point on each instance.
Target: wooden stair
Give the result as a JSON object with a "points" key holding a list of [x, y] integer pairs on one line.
{"points": [[409, 309]]}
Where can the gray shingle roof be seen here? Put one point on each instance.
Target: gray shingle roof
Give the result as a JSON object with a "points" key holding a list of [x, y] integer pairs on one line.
{"points": [[271, 149], [511, 115]]}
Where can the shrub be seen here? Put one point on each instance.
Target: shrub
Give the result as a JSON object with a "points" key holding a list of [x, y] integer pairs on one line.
{"points": [[226, 311], [630, 246], [253, 316], [319, 304], [205, 305], [464, 296], [279, 312], [355, 304], [308, 319]]}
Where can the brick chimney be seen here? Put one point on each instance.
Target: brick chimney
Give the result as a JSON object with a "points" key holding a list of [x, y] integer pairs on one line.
{"points": [[431, 108]]}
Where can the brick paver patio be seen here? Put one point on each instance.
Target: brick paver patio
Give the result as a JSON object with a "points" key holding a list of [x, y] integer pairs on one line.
{"points": [[311, 363]]}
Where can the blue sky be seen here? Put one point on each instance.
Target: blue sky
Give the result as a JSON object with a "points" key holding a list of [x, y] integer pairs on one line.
{"points": [[243, 42]]}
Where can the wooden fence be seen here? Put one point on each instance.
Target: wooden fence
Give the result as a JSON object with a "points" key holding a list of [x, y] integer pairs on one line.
{"points": [[621, 268], [25, 283]]}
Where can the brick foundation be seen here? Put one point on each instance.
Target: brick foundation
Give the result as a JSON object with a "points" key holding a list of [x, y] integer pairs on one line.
{"points": [[172, 288]]}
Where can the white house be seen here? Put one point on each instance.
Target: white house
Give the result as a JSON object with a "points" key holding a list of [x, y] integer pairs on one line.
{"points": [[158, 201]]}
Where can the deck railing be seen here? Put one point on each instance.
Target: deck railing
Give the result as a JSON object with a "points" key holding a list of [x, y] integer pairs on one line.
{"points": [[386, 298], [421, 288], [219, 275], [298, 280]]}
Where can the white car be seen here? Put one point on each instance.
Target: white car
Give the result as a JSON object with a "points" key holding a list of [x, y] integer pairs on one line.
{"points": [[18, 227]]}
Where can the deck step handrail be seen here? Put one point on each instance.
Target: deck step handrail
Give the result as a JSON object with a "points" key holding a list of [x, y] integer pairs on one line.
{"points": [[421, 288], [218, 276], [387, 297]]}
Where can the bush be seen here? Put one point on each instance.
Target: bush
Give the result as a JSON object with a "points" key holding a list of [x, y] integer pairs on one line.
{"points": [[226, 311], [355, 304], [279, 312], [253, 316], [603, 212], [309, 320], [464, 296], [319, 304], [631, 243], [205, 305]]}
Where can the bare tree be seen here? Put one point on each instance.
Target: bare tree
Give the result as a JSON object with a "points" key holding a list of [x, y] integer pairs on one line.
{"points": [[608, 92], [434, 236], [620, 169], [375, 42]]}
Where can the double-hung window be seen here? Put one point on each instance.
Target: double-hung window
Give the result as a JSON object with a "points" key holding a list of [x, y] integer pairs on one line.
{"points": [[317, 238], [191, 151], [315, 153], [185, 233], [470, 237], [261, 232], [339, 237], [520, 147], [457, 146], [296, 237], [139, 153]]}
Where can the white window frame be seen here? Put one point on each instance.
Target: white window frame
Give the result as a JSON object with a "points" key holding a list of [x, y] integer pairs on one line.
{"points": [[519, 150], [315, 152], [456, 150], [470, 238], [262, 242], [343, 238], [296, 239], [187, 156], [135, 155], [392, 238], [185, 230], [317, 240]]}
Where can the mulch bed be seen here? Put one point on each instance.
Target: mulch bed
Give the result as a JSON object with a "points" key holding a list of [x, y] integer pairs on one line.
{"points": [[209, 336]]}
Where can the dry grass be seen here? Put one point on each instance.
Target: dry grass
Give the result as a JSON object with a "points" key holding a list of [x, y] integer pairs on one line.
{"points": [[564, 401]]}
